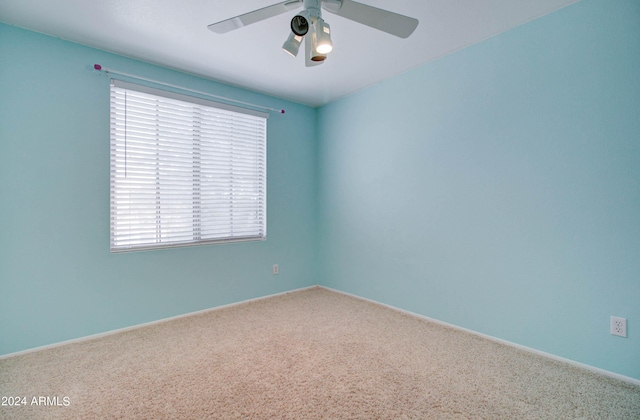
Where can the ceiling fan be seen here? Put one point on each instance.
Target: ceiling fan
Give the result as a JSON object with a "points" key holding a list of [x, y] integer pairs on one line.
{"points": [[309, 22]]}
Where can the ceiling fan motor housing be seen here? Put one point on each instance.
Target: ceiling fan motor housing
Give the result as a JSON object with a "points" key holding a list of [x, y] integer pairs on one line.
{"points": [[332, 5]]}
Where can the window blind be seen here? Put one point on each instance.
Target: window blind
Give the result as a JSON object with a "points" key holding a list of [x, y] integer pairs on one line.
{"points": [[184, 170]]}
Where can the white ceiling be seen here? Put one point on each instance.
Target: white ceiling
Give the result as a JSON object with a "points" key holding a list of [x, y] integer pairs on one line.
{"points": [[174, 34]]}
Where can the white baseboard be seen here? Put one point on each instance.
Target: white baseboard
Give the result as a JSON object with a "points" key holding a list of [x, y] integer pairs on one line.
{"points": [[446, 324], [146, 324], [499, 340]]}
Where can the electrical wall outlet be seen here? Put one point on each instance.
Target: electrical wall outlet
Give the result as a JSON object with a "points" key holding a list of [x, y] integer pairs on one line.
{"points": [[276, 270], [618, 326]]}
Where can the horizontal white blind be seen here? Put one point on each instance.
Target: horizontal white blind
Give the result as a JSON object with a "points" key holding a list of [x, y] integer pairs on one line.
{"points": [[184, 171]]}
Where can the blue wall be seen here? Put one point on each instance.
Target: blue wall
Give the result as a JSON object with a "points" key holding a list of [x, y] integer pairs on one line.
{"points": [[498, 188], [58, 280]]}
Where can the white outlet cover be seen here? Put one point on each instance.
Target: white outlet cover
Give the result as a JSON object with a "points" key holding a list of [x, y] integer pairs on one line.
{"points": [[618, 326]]}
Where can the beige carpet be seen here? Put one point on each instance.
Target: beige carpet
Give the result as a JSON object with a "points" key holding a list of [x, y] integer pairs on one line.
{"points": [[305, 355]]}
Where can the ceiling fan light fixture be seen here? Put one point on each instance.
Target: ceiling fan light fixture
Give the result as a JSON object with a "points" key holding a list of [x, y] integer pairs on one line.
{"points": [[292, 44], [300, 24], [309, 22], [318, 57], [322, 37]]}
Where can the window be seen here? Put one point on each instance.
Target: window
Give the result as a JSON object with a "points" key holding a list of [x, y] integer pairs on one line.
{"points": [[184, 170]]}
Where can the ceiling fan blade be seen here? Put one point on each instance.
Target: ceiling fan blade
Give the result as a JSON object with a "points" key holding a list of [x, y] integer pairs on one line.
{"points": [[253, 17], [383, 20]]}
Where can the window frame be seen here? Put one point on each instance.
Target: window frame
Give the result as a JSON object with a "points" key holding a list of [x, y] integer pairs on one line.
{"points": [[259, 194]]}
